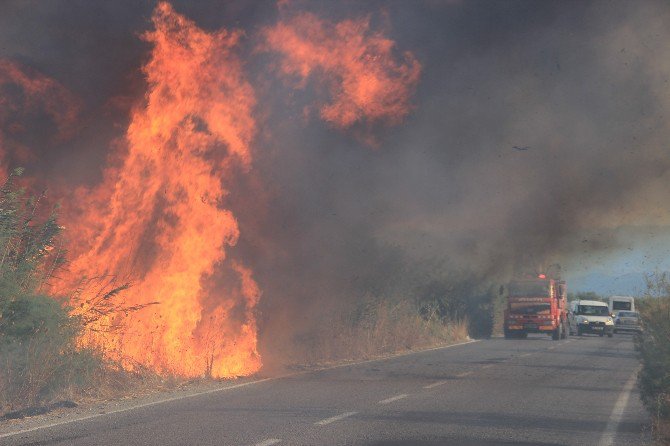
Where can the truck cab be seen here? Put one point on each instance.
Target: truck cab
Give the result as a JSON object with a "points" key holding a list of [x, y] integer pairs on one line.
{"points": [[536, 305]]}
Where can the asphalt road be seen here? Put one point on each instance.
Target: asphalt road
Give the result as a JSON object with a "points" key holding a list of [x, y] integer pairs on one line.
{"points": [[528, 392]]}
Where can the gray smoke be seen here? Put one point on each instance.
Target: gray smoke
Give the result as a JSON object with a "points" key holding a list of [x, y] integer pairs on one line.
{"points": [[540, 131]]}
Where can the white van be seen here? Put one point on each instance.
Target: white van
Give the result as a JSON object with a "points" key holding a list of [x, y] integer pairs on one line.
{"points": [[590, 316], [621, 303]]}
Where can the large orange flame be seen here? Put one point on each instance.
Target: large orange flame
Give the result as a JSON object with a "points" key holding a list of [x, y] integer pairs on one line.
{"points": [[364, 78], [159, 216]]}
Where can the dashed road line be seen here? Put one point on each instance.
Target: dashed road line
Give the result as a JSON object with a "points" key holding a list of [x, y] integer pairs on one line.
{"points": [[393, 398], [487, 366], [269, 442], [525, 355], [339, 417], [463, 374], [227, 388], [435, 384]]}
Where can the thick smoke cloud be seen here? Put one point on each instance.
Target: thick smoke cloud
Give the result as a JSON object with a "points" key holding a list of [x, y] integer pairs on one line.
{"points": [[539, 131]]}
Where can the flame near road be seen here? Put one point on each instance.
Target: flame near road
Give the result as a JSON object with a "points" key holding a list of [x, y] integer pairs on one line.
{"points": [[160, 217]]}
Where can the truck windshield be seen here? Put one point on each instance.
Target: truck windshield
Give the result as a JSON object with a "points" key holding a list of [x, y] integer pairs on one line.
{"points": [[530, 308], [620, 305], [593, 310], [529, 288]]}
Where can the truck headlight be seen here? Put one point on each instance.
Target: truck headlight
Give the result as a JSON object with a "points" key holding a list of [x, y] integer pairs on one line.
{"points": [[584, 321], [609, 321]]}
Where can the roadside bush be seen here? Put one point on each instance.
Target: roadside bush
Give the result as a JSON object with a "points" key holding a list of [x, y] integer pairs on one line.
{"points": [[460, 299], [654, 350], [38, 354]]}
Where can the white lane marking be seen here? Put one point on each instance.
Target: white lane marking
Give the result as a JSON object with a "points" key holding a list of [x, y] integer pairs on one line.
{"points": [[335, 418], [139, 406], [435, 384], [393, 398], [463, 375], [609, 434], [488, 366], [525, 355], [223, 389], [269, 442], [552, 347]]}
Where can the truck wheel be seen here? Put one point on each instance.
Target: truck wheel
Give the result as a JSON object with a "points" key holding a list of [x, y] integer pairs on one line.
{"points": [[565, 333], [508, 335], [601, 334], [579, 331], [610, 334], [556, 334], [523, 335]]}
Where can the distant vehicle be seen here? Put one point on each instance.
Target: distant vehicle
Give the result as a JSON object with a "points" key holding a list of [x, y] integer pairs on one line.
{"points": [[619, 303], [627, 321], [537, 305], [590, 316]]}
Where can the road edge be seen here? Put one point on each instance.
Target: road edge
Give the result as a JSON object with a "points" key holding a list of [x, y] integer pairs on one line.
{"points": [[230, 387]]}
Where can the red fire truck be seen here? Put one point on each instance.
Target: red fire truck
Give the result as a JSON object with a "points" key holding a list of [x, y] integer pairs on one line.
{"points": [[536, 305]]}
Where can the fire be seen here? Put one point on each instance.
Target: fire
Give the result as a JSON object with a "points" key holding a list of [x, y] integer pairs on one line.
{"points": [[24, 95], [358, 68], [159, 217]]}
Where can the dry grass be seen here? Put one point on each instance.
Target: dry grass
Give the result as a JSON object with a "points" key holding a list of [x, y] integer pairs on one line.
{"points": [[375, 329], [662, 432]]}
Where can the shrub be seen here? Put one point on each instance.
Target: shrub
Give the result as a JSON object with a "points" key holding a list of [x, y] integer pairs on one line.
{"points": [[38, 353], [653, 346]]}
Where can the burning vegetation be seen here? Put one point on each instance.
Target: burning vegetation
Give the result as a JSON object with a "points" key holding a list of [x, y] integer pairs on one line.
{"points": [[224, 227], [160, 218], [156, 232], [365, 82]]}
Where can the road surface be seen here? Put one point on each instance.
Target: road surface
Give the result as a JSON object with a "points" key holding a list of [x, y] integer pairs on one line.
{"points": [[525, 392]]}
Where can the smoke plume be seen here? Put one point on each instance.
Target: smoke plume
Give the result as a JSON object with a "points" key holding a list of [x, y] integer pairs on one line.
{"points": [[510, 136]]}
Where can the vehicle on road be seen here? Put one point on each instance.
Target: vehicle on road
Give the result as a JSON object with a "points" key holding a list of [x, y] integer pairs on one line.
{"points": [[621, 303], [590, 316], [627, 321], [537, 305]]}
